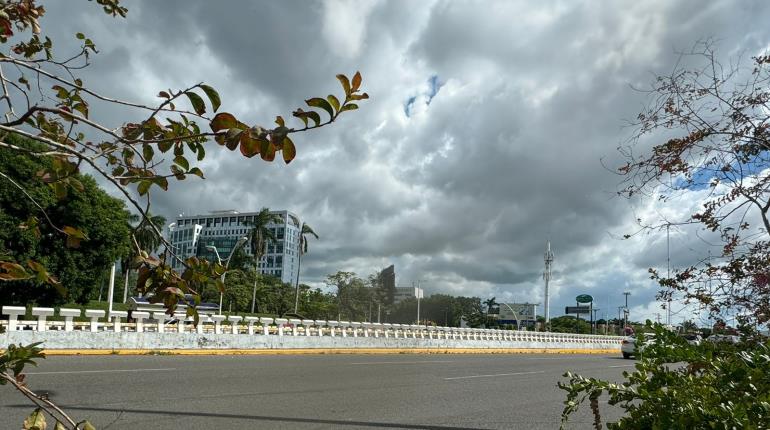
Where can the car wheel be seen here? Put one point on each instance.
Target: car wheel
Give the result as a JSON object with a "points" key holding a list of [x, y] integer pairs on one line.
{"points": [[626, 355]]}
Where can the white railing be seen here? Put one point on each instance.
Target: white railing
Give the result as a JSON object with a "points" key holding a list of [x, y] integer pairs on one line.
{"points": [[159, 322]]}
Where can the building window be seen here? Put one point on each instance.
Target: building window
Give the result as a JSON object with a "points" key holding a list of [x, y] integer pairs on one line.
{"points": [[279, 261], [269, 261], [278, 273], [279, 235]]}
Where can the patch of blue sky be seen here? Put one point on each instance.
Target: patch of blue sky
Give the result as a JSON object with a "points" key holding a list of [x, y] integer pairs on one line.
{"points": [[702, 178], [426, 96]]}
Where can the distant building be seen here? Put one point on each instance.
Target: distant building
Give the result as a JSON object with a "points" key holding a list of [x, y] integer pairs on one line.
{"points": [[403, 293], [523, 314], [386, 282], [190, 236]]}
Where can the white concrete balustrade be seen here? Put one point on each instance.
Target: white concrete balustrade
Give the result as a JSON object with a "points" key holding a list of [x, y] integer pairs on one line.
{"points": [[351, 333]]}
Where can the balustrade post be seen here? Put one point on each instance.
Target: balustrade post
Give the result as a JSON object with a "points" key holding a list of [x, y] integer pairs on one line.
{"points": [[13, 313], [68, 314], [116, 320], [265, 325], [160, 317], [139, 316], [234, 320], [251, 321], [217, 323], [42, 314]]}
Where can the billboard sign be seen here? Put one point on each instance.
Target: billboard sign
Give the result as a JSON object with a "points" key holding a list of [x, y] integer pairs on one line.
{"points": [[517, 312], [569, 310], [584, 298]]}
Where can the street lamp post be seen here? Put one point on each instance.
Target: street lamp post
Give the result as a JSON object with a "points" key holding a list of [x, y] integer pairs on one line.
{"points": [[240, 242]]}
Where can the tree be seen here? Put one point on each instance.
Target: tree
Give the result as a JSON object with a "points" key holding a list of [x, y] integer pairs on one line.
{"points": [[720, 121], [260, 236], [353, 297], [304, 231], [317, 304], [80, 266], [142, 238], [568, 324], [47, 102], [715, 124]]}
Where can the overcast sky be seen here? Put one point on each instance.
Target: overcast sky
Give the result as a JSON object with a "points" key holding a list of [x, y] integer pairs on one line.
{"points": [[483, 138]]}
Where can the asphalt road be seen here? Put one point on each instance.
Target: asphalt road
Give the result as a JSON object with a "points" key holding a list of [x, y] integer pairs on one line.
{"points": [[435, 392]]}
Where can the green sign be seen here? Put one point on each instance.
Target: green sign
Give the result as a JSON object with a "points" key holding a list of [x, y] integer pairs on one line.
{"points": [[584, 298]]}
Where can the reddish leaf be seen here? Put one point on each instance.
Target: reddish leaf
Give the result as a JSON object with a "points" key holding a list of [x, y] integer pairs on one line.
{"points": [[223, 121], [356, 81]]}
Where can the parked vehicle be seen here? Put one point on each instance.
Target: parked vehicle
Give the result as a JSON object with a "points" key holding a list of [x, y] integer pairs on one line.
{"points": [[629, 347], [729, 338], [692, 338]]}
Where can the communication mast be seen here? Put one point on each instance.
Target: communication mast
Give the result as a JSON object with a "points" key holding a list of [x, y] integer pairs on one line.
{"points": [[547, 278]]}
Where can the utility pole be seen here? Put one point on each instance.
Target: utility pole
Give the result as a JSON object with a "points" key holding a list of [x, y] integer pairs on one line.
{"points": [[668, 270], [547, 277], [418, 293], [620, 329], [625, 322], [593, 329]]}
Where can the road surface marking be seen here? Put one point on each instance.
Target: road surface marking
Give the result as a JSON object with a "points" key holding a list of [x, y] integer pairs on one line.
{"points": [[99, 371], [624, 365], [406, 362], [492, 376]]}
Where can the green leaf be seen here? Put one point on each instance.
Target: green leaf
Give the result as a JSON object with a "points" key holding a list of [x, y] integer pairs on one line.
{"points": [[345, 84], [321, 103], [289, 151], [165, 145], [161, 182], [88, 426], [80, 36], [72, 231], [182, 162], [143, 187], [35, 421], [349, 106], [314, 116], [59, 426], [223, 121], [197, 102], [201, 152], [333, 101], [60, 189], [212, 95], [197, 172], [279, 120], [147, 152], [299, 113]]}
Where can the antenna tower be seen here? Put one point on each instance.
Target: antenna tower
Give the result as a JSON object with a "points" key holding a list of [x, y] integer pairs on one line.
{"points": [[547, 278]]}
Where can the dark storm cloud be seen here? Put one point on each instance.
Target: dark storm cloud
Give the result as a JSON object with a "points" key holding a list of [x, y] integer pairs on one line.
{"points": [[466, 190]]}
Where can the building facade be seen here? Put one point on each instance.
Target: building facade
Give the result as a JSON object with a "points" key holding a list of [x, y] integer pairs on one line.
{"points": [[193, 235]]}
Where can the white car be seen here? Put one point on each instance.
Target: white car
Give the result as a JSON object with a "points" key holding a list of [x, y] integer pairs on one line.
{"points": [[628, 346]]}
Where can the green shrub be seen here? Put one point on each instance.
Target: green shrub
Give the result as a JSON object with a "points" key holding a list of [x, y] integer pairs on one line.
{"points": [[675, 385]]}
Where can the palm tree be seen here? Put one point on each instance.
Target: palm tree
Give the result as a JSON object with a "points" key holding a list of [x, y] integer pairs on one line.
{"points": [[144, 237], [304, 231], [490, 303], [259, 236]]}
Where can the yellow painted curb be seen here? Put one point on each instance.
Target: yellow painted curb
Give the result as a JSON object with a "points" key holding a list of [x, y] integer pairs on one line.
{"points": [[325, 351]]}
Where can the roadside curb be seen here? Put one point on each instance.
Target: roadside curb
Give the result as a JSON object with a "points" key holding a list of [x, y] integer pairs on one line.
{"points": [[325, 351]]}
